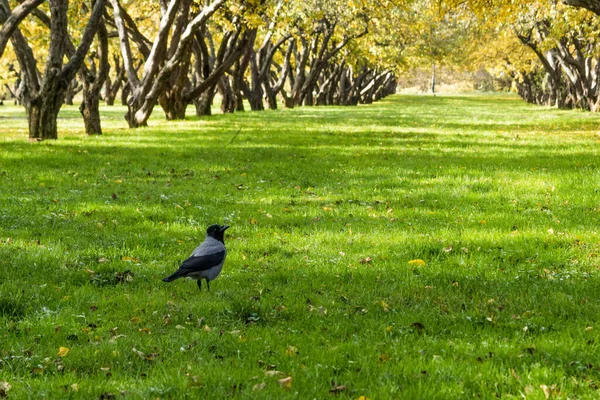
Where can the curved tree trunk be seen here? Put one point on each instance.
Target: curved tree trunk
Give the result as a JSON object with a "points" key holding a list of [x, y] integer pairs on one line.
{"points": [[72, 90], [227, 96], [92, 85], [125, 92], [204, 102]]}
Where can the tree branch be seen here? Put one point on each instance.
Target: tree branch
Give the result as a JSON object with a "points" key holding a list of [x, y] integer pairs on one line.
{"points": [[10, 21]]}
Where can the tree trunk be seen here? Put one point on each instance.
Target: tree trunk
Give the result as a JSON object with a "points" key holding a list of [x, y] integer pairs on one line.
{"points": [[43, 116], [109, 94], [93, 80], [204, 102], [134, 104], [111, 88], [433, 79], [270, 95], [125, 94], [72, 90], [227, 96], [173, 105], [90, 111], [236, 80]]}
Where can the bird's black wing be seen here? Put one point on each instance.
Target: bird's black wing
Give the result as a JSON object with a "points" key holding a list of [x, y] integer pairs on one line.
{"points": [[202, 263]]}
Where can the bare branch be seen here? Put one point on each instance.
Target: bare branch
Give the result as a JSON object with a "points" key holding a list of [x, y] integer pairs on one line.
{"points": [[10, 20]]}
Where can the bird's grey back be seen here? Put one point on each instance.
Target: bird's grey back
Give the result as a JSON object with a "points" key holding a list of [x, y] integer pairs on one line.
{"points": [[209, 246]]}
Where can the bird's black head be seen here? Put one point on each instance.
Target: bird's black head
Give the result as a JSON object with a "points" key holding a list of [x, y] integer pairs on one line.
{"points": [[217, 231]]}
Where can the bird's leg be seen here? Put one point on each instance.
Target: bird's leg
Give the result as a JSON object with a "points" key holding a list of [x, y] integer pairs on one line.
{"points": [[199, 284], [207, 284]]}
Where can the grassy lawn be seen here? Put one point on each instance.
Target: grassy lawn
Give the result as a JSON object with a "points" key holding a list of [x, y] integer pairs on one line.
{"points": [[421, 247]]}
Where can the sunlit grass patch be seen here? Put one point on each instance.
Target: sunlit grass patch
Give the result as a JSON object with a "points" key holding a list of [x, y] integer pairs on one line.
{"points": [[419, 247]]}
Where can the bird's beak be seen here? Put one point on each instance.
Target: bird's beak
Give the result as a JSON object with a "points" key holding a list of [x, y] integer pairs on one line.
{"points": [[224, 228]]}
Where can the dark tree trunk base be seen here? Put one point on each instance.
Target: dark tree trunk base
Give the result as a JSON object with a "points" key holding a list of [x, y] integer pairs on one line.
{"points": [[228, 98], [90, 110], [42, 120], [173, 105]]}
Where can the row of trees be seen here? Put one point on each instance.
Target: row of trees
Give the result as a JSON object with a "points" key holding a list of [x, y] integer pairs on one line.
{"points": [[180, 52], [561, 64], [267, 53]]}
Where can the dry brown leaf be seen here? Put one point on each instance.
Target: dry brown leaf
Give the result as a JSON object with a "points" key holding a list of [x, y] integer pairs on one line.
{"points": [[259, 386], [273, 373], [384, 358], [546, 391], [337, 389], [114, 338], [366, 260], [139, 353], [514, 374], [285, 383], [4, 388]]}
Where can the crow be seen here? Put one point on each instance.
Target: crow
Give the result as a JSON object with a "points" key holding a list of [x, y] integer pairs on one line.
{"points": [[206, 262]]}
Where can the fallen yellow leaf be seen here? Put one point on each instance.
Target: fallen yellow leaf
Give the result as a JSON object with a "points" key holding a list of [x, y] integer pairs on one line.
{"points": [[291, 351], [417, 262], [63, 351]]}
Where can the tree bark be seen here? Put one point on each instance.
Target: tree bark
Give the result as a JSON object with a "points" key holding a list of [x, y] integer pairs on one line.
{"points": [[592, 5], [92, 84], [433, 79], [72, 90], [227, 96], [111, 88]]}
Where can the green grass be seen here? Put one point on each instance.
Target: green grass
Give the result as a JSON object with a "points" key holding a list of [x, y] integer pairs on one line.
{"points": [[327, 206]]}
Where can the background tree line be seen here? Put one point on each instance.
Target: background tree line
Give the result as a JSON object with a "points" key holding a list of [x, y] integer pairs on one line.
{"points": [[172, 54]]}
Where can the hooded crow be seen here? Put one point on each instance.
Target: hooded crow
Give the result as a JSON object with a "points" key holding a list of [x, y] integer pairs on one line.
{"points": [[207, 259]]}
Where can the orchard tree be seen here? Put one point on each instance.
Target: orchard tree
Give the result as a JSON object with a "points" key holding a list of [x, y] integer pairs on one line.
{"points": [[43, 94], [180, 24]]}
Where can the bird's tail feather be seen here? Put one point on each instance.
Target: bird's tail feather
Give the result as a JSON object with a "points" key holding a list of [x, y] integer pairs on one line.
{"points": [[176, 275]]}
